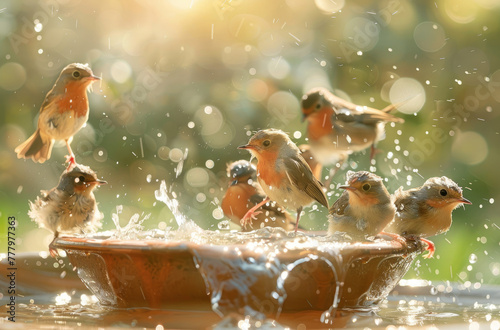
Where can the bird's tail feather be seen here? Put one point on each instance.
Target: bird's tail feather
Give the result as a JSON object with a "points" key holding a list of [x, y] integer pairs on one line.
{"points": [[35, 147]]}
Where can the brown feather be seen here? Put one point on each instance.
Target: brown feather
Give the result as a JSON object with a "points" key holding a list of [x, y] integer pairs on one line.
{"points": [[301, 176], [35, 147]]}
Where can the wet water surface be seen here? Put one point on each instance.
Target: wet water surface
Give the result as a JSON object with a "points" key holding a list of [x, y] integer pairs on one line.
{"points": [[407, 306]]}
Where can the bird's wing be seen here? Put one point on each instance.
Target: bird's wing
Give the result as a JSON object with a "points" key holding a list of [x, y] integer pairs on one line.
{"points": [[338, 208], [49, 101], [301, 176], [405, 202], [349, 112]]}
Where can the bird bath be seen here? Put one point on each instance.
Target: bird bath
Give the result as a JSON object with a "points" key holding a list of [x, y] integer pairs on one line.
{"points": [[260, 273], [55, 297]]}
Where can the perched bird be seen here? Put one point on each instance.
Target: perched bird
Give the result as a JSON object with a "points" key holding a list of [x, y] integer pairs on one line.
{"points": [[244, 192], [71, 206], [337, 128], [363, 209], [63, 112], [426, 211], [283, 173]]}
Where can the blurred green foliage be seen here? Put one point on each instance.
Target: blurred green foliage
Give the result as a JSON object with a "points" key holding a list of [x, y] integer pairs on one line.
{"points": [[203, 75]]}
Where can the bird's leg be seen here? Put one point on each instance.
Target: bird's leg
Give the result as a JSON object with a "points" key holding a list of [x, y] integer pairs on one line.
{"points": [[299, 211], [71, 157], [247, 218], [53, 250], [430, 247], [395, 237], [373, 152]]}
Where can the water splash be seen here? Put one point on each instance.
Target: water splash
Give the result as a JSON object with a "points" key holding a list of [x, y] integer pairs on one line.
{"points": [[168, 197], [246, 286], [132, 229]]}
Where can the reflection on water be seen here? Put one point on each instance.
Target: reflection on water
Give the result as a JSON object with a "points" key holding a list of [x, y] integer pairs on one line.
{"points": [[407, 306]]}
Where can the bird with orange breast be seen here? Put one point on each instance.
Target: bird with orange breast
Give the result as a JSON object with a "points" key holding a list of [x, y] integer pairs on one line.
{"points": [[63, 112], [283, 173], [337, 128], [426, 211], [244, 192]]}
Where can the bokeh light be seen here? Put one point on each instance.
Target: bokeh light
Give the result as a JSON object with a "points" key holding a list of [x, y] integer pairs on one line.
{"points": [[12, 76], [329, 6], [469, 148], [429, 36], [409, 93]]}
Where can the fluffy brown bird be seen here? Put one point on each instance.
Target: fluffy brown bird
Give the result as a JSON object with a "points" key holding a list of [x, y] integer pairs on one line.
{"points": [[63, 112], [71, 206], [283, 173], [244, 192], [336, 127], [426, 211], [363, 209]]}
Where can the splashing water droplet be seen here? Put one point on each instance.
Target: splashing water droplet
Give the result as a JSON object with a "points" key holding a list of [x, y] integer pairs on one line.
{"points": [[223, 225], [163, 195], [472, 258]]}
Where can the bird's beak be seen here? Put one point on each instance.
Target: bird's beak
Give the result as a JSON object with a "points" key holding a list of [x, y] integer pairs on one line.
{"points": [[464, 200], [304, 117], [247, 146], [93, 78], [234, 183], [100, 182], [347, 187]]}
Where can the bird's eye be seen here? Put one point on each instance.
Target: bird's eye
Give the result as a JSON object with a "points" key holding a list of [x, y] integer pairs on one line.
{"points": [[366, 187], [266, 143], [318, 106], [76, 74], [443, 192], [81, 179]]}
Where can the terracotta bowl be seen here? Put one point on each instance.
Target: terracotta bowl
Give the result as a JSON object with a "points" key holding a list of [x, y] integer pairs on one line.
{"points": [[299, 276]]}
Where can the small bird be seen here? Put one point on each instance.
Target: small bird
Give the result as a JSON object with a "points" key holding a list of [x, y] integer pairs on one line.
{"points": [[71, 206], [63, 112], [244, 192], [283, 173], [337, 128], [426, 211], [363, 209]]}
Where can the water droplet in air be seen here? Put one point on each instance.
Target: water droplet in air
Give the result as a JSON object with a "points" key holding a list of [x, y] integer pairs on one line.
{"points": [[472, 258], [223, 225], [433, 291]]}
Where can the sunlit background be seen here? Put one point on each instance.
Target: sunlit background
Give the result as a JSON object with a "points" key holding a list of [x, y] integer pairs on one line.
{"points": [[186, 82]]}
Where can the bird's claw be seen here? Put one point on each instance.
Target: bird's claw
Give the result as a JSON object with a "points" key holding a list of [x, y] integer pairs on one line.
{"points": [[53, 250], [430, 248], [70, 159], [395, 237], [248, 218], [53, 253]]}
